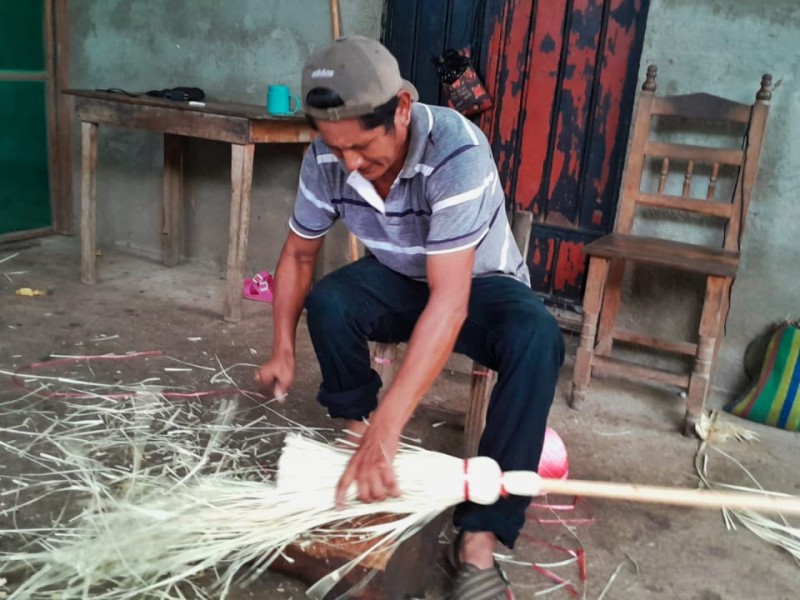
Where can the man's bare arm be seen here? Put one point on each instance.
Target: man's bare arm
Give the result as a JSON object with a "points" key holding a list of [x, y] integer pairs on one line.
{"points": [[431, 343], [292, 282]]}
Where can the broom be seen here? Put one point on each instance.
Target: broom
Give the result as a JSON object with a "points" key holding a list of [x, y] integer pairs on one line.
{"points": [[430, 482], [425, 476]]}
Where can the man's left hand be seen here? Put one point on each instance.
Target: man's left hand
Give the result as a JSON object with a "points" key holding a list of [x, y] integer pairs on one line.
{"points": [[371, 467]]}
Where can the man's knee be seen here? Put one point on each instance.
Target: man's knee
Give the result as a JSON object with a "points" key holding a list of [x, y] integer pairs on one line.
{"points": [[535, 335]]}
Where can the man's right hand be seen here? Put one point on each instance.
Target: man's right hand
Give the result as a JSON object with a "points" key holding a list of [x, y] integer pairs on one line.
{"points": [[275, 376]]}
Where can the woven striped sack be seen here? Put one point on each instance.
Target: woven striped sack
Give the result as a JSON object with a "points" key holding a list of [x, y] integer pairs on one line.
{"points": [[774, 397]]}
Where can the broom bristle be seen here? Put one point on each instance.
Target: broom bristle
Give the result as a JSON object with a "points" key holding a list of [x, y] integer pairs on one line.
{"points": [[310, 470], [189, 501]]}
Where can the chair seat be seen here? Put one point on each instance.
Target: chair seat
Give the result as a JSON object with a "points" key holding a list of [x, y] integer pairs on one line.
{"points": [[666, 253]]}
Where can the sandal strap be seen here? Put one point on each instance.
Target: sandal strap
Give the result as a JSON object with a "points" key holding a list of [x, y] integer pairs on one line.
{"points": [[472, 583], [261, 281]]}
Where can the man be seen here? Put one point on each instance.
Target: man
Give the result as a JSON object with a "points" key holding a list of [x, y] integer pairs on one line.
{"points": [[418, 186]]}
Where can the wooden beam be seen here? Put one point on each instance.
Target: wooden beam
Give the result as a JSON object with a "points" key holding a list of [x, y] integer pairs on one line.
{"points": [[336, 20], [28, 234], [88, 202], [51, 103], [703, 207], [602, 365], [24, 76], [63, 215], [172, 201], [631, 337], [700, 154], [239, 227]]}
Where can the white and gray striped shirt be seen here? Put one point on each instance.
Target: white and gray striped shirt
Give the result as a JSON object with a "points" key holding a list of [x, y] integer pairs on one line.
{"points": [[446, 198]]}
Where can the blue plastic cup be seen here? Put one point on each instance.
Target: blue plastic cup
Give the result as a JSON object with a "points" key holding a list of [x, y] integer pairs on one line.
{"points": [[280, 99]]}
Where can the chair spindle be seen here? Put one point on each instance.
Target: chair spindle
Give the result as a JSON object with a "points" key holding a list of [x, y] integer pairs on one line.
{"points": [[687, 179], [712, 182]]}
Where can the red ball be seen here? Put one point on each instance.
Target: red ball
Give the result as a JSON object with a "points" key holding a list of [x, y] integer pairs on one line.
{"points": [[554, 463]]}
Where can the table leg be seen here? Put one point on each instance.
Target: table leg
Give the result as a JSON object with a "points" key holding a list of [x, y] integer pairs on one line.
{"points": [[172, 199], [88, 202], [241, 184]]}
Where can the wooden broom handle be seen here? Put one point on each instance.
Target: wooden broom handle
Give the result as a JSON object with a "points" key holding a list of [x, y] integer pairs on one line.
{"points": [[666, 495]]}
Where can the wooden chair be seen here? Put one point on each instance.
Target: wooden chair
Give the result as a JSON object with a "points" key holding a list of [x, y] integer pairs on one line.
{"points": [[384, 358], [609, 255]]}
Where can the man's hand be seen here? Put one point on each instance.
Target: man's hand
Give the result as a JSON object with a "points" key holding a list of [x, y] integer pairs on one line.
{"points": [[371, 467], [275, 376]]}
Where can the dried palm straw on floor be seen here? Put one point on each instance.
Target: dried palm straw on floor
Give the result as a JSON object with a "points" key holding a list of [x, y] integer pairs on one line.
{"points": [[779, 532], [131, 494], [193, 498]]}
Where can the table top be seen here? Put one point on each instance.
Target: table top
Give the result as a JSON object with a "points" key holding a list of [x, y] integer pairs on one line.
{"points": [[232, 122], [229, 109]]}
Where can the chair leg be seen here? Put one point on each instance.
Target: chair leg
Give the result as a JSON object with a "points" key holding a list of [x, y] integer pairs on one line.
{"points": [[700, 379], [384, 361], [592, 302], [610, 306], [723, 315], [480, 391]]}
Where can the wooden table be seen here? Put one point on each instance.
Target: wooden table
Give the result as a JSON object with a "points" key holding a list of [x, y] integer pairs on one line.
{"points": [[241, 125]]}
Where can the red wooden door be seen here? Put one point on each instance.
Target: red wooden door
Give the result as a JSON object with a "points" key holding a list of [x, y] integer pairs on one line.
{"points": [[562, 74]]}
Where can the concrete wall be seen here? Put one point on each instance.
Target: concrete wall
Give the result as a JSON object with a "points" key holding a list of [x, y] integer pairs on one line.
{"points": [[233, 50], [723, 47]]}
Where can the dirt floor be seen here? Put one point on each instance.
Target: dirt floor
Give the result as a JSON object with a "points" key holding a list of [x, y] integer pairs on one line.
{"points": [[625, 432]]}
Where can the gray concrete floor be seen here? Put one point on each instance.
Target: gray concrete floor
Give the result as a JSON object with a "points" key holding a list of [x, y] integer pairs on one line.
{"points": [[625, 432]]}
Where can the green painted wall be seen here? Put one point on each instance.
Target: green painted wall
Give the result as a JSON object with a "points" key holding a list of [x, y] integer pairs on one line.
{"points": [[24, 177]]}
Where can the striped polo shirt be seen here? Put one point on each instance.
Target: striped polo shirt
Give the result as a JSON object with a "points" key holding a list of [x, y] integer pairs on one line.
{"points": [[447, 197]]}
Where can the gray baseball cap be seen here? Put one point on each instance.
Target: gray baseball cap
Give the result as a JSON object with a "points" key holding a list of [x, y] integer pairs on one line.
{"points": [[361, 70]]}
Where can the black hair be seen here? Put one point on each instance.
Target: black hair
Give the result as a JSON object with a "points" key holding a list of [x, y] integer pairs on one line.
{"points": [[383, 115]]}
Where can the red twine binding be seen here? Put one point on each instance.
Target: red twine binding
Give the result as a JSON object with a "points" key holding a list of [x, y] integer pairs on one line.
{"points": [[577, 553], [503, 490]]}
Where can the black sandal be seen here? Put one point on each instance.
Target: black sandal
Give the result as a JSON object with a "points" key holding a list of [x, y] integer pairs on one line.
{"points": [[472, 583]]}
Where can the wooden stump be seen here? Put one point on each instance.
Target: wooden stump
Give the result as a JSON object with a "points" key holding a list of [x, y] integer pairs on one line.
{"points": [[398, 575]]}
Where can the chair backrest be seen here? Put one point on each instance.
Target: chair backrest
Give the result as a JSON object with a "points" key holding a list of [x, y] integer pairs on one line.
{"points": [[655, 154]]}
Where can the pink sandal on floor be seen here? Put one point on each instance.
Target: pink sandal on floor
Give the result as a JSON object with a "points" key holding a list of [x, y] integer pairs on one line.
{"points": [[259, 287]]}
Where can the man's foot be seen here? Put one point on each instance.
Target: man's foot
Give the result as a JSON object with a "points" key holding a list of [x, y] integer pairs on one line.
{"points": [[478, 576]]}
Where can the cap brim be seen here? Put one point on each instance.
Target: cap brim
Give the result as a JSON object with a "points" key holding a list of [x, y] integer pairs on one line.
{"points": [[407, 86]]}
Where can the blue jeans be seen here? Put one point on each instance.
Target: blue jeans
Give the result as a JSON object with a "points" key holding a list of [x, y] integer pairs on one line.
{"points": [[507, 329]]}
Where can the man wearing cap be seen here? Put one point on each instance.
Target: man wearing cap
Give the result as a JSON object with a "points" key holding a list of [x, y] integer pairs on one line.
{"points": [[418, 186]]}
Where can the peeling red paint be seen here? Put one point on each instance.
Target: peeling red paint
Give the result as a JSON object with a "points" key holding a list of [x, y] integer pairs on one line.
{"points": [[510, 75], [538, 109], [576, 91], [564, 159], [569, 269], [541, 265], [618, 54]]}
